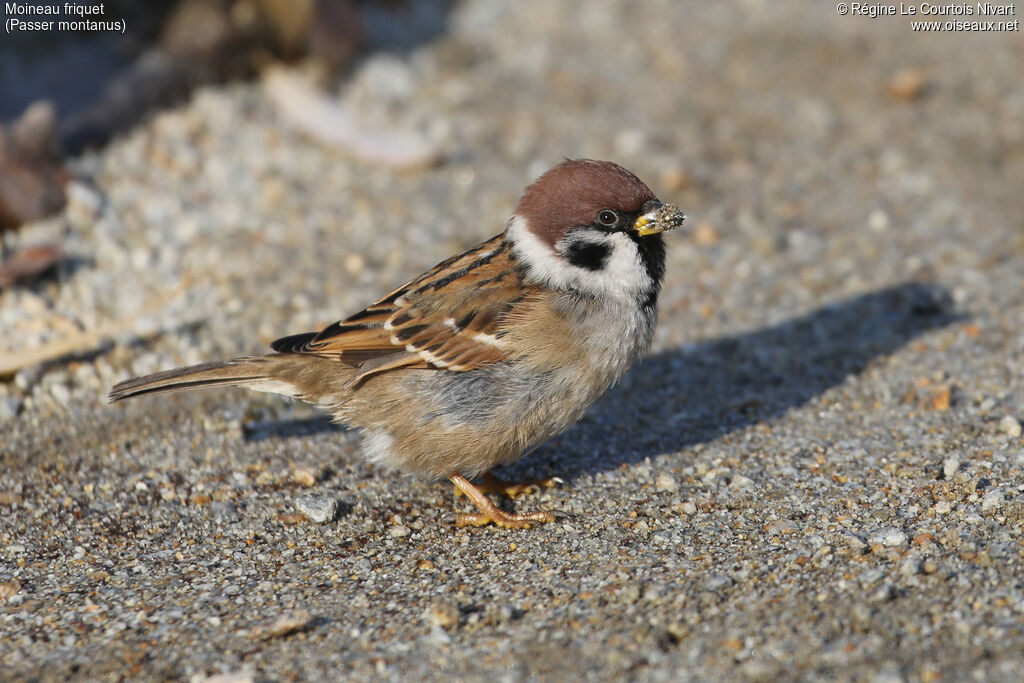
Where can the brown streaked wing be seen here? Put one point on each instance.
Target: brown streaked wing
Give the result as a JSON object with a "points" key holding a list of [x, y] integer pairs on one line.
{"points": [[448, 318]]}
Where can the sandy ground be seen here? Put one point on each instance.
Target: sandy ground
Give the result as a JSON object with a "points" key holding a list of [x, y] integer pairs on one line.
{"points": [[816, 475]]}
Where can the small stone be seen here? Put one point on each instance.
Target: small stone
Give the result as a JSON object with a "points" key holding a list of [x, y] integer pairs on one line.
{"points": [[83, 201], [780, 526], [9, 589], [60, 393], [291, 518], [909, 566], [399, 531], [630, 141], [320, 509], [851, 541], [894, 539], [889, 538], [10, 497], [1010, 426], [10, 406], [688, 508], [286, 624], [675, 179], [929, 567], [878, 221], [993, 500], [941, 398], [943, 507], [305, 475], [907, 85], [717, 581], [354, 264], [666, 482], [223, 512], [861, 612], [741, 483], [443, 614], [704, 234], [950, 467]]}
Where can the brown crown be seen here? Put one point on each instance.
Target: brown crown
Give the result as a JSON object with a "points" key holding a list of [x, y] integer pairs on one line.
{"points": [[572, 193]]}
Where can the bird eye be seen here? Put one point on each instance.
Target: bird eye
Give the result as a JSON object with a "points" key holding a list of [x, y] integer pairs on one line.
{"points": [[607, 217]]}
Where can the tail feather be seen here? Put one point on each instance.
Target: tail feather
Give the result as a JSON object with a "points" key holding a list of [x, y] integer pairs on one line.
{"points": [[221, 373]]}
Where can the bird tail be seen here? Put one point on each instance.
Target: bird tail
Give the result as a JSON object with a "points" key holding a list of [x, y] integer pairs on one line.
{"points": [[252, 372]]}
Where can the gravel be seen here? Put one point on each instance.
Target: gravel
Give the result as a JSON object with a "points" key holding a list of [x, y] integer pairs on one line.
{"points": [[320, 509], [812, 476]]}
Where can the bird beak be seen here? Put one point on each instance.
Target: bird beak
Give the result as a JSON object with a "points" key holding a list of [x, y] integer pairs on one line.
{"points": [[658, 219]]}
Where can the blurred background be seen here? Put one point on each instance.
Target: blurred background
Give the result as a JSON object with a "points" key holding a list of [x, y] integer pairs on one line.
{"points": [[343, 145]]}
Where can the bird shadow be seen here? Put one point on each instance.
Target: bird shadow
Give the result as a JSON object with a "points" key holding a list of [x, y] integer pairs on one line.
{"points": [[694, 394]]}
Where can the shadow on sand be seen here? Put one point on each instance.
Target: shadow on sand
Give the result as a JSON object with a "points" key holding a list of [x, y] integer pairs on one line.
{"points": [[678, 398]]}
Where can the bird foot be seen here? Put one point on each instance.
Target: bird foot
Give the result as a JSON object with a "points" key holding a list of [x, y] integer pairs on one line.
{"points": [[491, 513], [504, 519]]}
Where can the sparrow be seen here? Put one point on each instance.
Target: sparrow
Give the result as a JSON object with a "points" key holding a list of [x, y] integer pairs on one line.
{"points": [[491, 352]]}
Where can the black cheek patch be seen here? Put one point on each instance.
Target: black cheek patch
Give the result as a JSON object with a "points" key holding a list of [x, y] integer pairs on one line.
{"points": [[589, 255]]}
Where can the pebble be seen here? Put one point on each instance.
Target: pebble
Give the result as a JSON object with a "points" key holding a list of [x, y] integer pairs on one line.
{"points": [[306, 475], [890, 538], [907, 84], [287, 623], [8, 589], [894, 539], [666, 482], [223, 512], [319, 509], [950, 467], [851, 540], [1010, 426], [705, 234], [83, 201], [443, 614], [781, 526], [10, 406], [993, 500], [741, 483], [399, 531], [909, 566]]}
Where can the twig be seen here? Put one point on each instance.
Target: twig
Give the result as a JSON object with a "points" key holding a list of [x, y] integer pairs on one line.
{"points": [[82, 342], [330, 123]]}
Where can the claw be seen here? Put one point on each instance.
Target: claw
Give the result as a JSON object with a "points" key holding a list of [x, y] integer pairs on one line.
{"points": [[491, 513]]}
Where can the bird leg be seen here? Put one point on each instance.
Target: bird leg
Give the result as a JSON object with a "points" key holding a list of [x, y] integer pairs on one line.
{"points": [[491, 513]]}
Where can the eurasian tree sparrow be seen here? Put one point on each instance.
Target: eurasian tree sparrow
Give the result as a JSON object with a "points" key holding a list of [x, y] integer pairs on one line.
{"points": [[491, 352]]}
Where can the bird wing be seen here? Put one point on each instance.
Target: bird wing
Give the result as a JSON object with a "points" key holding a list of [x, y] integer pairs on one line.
{"points": [[450, 318]]}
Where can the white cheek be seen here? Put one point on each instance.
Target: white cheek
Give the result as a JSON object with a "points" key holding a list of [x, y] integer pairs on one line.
{"points": [[541, 262], [623, 276]]}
